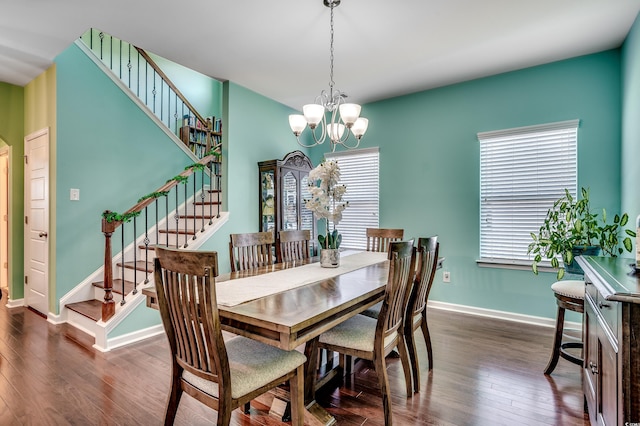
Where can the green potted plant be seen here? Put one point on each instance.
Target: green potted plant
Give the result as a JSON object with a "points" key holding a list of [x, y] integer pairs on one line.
{"points": [[571, 229]]}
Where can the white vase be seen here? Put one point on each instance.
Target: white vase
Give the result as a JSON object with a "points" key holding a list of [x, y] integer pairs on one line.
{"points": [[329, 258]]}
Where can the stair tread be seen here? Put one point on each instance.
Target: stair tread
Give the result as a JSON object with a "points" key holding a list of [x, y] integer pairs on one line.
{"points": [[140, 265], [201, 203], [117, 286], [91, 309], [178, 231], [197, 216]]}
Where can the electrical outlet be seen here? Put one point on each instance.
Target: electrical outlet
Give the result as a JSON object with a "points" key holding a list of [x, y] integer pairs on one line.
{"points": [[446, 277], [74, 194]]}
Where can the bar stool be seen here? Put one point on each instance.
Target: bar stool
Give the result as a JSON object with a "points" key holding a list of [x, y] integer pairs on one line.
{"points": [[569, 295]]}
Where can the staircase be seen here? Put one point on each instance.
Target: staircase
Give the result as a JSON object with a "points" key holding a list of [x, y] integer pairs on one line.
{"points": [[182, 213]]}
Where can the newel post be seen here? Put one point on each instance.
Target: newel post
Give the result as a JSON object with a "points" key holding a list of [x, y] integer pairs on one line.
{"points": [[108, 305]]}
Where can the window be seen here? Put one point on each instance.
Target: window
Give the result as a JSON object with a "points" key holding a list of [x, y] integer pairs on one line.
{"points": [[359, 170], [522, 172]]}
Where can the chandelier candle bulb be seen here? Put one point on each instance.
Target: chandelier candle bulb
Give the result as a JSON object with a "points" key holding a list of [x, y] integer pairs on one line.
{"points": [[313, 113], [297, 123], [349, 113]]}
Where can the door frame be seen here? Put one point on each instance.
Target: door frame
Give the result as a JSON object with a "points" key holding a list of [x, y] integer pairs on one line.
{"points": [[27, 208], [5, 233]]}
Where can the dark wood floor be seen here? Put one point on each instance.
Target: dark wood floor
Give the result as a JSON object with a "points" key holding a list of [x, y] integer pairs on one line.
{"points": [[487, 372]]}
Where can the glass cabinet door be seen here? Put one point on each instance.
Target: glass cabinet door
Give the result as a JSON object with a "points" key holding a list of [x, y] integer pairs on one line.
{"points": [[267, 195], [305, 214], [289, 201]]}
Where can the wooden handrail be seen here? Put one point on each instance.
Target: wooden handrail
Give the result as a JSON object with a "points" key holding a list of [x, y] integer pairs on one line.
{"points": [[108, 228], [162, 75]]}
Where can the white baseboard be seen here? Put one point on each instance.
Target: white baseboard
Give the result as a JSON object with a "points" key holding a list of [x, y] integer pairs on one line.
{"points": [[502, 315], [15, 303], [130, 338]]}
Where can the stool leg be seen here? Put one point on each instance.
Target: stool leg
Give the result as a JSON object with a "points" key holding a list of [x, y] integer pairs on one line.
{"points": [[557, 341]]}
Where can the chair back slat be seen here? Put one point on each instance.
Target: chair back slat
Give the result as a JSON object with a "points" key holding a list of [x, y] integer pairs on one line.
{"points": [[427, 262], [378, 239], [402, 257], [185, 285], [294, 245], [251, 250]]}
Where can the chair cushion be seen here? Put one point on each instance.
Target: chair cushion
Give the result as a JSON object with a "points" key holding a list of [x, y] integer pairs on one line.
{"points": [[357, 333], [569, 288], [373, 311], [252, 365]]}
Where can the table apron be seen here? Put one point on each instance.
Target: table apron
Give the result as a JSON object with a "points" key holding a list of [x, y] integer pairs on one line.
{"points": [[290, 341]]}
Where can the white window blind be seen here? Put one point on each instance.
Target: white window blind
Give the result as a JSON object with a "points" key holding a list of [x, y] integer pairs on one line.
{"points": [[522, 172], [359, 171]]}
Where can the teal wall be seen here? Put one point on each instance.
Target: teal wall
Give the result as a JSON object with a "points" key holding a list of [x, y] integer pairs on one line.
{"points": [[256, 129], [629, 162], [429, 164]]}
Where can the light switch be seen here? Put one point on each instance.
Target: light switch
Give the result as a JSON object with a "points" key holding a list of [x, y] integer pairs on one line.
{"points": [[74, 194]]}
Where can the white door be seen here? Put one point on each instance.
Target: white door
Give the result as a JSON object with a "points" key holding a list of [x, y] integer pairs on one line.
{"points": [[36, 242], [4, 217]]}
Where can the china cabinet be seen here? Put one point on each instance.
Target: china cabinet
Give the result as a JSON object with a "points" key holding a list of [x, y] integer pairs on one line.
{"points": [[283, 187], [611, 336]]}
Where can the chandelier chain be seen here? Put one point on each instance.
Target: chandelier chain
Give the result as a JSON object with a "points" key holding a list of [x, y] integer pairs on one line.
{"points": [[331, 82]]}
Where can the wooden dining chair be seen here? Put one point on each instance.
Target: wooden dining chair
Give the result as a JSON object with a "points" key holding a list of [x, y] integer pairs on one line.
{"points": [[221, 375], [371, 339], [294, 245], [251, 250], [378, 239], [416, 313]]}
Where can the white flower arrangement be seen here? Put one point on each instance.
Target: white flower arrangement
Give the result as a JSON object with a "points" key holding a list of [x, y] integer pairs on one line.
{"points": [[326, 200]]}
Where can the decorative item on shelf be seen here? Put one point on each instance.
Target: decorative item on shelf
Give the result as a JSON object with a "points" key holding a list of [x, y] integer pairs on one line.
{"points": [[571, 229], [345, 117], [326, 203]]}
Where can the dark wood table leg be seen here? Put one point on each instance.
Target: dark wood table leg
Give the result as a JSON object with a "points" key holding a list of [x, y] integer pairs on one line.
{"points": [[319, 415]]}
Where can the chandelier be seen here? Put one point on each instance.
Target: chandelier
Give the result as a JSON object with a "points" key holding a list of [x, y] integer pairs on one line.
{"points": [[345, 117]]}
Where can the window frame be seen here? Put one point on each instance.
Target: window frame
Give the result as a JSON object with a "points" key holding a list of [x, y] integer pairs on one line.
{"points": [[552, 163], [362, 196]]}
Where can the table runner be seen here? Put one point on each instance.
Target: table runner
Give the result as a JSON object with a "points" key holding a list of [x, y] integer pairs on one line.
{"points": [[241, 290]]}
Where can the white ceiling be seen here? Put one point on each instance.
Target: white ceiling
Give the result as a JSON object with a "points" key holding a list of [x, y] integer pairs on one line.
{"points": [[280, 49]]}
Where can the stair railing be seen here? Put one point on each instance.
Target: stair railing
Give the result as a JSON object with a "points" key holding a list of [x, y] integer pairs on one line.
{"points": [[142, 75], [172, 215]]}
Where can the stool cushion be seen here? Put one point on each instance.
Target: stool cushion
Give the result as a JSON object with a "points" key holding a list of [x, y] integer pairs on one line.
{"points": [[569, 288]]}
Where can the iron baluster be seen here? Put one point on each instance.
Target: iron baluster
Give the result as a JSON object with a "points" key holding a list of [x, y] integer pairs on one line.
{"points": [[146, 243], [135, 258], [101, 35], [176, 216], [166, 222], [157, 224], [202, 192], [122, 302]]}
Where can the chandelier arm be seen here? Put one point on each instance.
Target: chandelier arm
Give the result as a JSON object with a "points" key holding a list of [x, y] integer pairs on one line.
{"points": [[323, 135], [343, 143], [304, 145]]}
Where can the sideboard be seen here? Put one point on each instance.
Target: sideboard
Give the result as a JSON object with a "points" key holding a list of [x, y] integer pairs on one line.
{"points": [[611, 336]]}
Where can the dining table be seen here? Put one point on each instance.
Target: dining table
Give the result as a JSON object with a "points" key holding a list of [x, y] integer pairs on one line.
{"points": [[290, 304]]}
